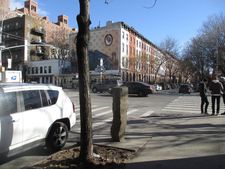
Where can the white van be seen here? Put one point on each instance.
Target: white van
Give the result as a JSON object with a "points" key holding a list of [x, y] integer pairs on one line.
{"points": [[30, 113]]}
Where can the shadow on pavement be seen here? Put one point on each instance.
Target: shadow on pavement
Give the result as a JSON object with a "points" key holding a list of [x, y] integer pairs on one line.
{"points": [[208, 162], [39, 151]]}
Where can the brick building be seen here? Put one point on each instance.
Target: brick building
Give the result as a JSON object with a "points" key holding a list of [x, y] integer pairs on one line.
{"points": [[34, 38], [133, 57]]}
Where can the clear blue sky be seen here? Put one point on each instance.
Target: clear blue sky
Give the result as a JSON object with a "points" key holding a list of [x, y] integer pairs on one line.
{"points": [[179, 19]]}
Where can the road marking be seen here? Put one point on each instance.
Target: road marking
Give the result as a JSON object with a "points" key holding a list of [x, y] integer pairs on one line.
{"points": [[93, 110], [111, 118], [100, 108], [185, 105], [182, 111], [147, 114], [96, 124], [101, 114]]}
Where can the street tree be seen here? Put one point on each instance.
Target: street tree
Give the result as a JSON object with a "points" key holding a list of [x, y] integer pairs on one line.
{"points": [[82, 40], [170, 47], [213, 33], [86, 142], [59, 39], [159, 63], [206, 50]]}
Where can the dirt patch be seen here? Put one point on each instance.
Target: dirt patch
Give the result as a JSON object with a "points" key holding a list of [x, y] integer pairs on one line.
{"points": [[105, 157]]}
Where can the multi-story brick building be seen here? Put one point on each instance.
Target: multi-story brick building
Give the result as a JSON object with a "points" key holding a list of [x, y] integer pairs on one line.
{"points": [[4, 8], [132, 55], [34, 38]]}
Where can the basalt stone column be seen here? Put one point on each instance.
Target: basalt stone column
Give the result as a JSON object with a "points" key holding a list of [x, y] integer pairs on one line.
{"points": [[120, 96]]}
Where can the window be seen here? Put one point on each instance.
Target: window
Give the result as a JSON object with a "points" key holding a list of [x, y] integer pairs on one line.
{"points": [[31, 99], [41, 69], [53, 94], [32, 70], [122, 35], [44, 98], [122, 47], [7, 99], [45, 69], [36, 70], [49, 69]]}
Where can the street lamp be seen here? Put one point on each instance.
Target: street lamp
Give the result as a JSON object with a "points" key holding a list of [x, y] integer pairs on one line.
{"points": [[1, 32]]}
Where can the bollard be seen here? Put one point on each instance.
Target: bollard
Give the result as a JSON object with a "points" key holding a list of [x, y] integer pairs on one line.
{"points": [[120, 97]]}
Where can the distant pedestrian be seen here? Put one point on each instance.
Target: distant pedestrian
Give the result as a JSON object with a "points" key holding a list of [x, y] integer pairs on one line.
{"points": [[203, 95], [216, 88], [223, 83]]}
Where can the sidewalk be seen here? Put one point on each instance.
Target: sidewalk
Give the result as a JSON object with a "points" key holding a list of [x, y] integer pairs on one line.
{"points": [[174, 141], [168, 141]]}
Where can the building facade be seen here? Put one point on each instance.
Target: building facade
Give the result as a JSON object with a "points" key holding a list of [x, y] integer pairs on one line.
{"points": [[4, 8], [134, 58], [34, 38]]}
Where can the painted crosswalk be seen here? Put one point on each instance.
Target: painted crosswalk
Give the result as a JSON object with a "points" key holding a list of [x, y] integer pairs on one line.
{"points": [[184, 104], [102, 115]]}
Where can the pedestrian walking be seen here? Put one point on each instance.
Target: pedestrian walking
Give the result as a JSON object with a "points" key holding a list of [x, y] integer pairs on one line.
{"points": [[223, 83], [216, 88], [203, 95]]}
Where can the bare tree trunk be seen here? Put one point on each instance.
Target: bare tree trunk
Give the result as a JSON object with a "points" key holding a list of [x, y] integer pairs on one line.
{"points": [[83, 20]]}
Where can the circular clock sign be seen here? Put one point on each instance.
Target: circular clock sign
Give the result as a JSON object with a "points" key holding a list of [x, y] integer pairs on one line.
{"points": [[108, 39]]}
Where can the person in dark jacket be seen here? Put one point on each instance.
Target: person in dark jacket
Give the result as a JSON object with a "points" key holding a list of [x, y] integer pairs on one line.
{"points": [[203, 95], [216, 88], [223, 83]]}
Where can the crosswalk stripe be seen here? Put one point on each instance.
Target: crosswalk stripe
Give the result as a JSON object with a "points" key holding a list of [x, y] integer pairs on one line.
{"points": [[101, 114], [148, 113], [96, 124], [185, 105], [182, 111], [110, 119], [104, 113], [100, 108], [186, 108], [93, 106]]}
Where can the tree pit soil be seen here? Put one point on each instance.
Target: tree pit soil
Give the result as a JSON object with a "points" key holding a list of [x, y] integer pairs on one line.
{"points": [[104, 157]]}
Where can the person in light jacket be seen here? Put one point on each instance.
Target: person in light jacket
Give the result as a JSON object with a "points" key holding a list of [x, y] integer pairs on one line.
{"points": [[216, 88]]}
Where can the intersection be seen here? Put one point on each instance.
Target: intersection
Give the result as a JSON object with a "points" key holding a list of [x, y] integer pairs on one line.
{"points": [[168, 127]]}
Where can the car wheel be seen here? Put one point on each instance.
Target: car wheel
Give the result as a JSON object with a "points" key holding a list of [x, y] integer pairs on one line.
{"points": [[57, 136], [94, 90]]}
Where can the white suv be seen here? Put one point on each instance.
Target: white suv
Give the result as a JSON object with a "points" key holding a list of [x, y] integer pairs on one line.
{"points": [[30, 113]]}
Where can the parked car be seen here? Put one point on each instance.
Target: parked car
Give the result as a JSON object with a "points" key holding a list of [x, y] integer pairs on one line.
{"points": [[139, 88], [31, 114], [185, 88], [105, 86]]}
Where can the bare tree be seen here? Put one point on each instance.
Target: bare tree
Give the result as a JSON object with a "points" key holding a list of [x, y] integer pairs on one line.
{"points": [[160, 60], [83, 20], [171, 48], [206, 50]]}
